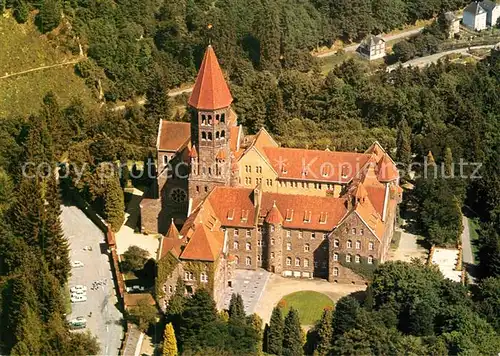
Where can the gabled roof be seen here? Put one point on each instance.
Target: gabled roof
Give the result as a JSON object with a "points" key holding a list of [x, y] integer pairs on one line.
{"points": [[387, 171], [172, 242], [204, 244], [210, 91], [489, 5], [233, 206], [315, 165], [474, 8], [173, 135], [372, 40]]}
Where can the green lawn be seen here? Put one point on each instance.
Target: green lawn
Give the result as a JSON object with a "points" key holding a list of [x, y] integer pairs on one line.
{"points": [[474, 236], [22, 48], [309, 304]]}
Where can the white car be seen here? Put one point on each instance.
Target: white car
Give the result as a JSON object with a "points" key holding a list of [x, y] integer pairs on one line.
{"points": [[79, 292], [76, 264], [77, 288], [79, 319], [78, 298]]}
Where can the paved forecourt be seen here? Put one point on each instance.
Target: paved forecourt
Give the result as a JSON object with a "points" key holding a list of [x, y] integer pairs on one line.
{"points": [[106, 319]]}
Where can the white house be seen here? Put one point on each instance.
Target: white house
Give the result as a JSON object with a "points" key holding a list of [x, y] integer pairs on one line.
{"points": [[475, 17], [372, 47], [492, 12]]}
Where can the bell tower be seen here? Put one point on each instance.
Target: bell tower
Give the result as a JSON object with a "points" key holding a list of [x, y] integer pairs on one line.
{"points": [[210, 105]]}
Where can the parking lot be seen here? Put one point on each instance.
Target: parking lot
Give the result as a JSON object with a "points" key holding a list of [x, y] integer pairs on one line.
{"points": [[250, 284], [106, 319]]}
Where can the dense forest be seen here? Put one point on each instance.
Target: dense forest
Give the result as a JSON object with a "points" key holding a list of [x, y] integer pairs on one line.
{"points": [[443, 113]]}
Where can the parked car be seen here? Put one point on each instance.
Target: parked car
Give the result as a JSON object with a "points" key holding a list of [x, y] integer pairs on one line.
{"points": [[76, 264], [78, 323], [77, 288], [79, 292], [135, 289], [78, 298]]}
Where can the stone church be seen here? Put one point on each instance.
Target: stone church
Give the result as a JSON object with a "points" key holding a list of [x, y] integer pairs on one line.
{"points": [[242, 201]]}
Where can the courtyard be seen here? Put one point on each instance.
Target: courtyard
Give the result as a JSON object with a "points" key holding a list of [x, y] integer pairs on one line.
{"points": [[262, 291]]}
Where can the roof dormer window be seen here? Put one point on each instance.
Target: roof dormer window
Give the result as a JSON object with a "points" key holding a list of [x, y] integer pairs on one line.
{"points": [[283, 168], [307, 216], [289, 215], [230, 214], [323, 217], [244, 215]]}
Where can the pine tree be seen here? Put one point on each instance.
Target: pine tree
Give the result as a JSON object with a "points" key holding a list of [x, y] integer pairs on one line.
{"points": [[325, 333], [157, 105], [293, 336], [21, 11], [236, 309], [114, 204], [448, 162], [49, 16], [345, 315], [268, 33], [275, 334], [53, 243], [403, 143], [169, 341], [199, 311]]}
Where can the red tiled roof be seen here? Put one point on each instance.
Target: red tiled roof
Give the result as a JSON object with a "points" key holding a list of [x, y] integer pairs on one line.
{"points": [[234, 131], [204, 245], [369, 215], [315, 165], [376, 194], [387, 171], [172, 232], [274, 216], [233, 206], [174, 135], [306, 212], [210, 91]]}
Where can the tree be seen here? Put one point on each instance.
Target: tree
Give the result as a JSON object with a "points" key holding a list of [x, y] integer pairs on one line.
{"points": [[21, 11], [49, 16], [267, 28], [404, 50], [488, 302], [448, 162], [353, 342], [403, 143], [158, 106], [169, 341], [143, 315], [114, 204], [293, 336], [275, 333], [344, 315], [134, 258], [489, 251], [199, 312], [325, 333], [236, 309]]}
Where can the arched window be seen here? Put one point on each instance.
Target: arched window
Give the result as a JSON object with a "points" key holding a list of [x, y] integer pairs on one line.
{"points": [[209, 136], [222, 118], [203, 120], [348, 258], [210, 170], [237, 260], [289, 246], [370, 246], [297, 262], [361, 231], [288, 261], [336, 243], [217, 135], [335, 271], [248, 246], [306, 262], [353, 231], [272, 242], [203, 136], [370, 260], [248, 261], [349, 244], [357, 258], [358, 245], [222, 134], [306, 248], [210, 119], [217, 117], [335, 256], [203, 277], [236, 245]]}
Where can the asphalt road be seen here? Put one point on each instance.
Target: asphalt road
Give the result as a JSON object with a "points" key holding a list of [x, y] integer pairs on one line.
{"points": [[386, 38], [467, 257], [423, 61], [105, 322]]}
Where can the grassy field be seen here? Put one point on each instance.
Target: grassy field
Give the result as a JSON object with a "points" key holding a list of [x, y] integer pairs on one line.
{"points": [[22, 48], [309, 304]]}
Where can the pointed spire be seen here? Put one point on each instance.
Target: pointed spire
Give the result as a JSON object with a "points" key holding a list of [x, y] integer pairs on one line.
{"points": [[274, 216], [193, 153], [172, 233], [210, 91], [387, 171]]}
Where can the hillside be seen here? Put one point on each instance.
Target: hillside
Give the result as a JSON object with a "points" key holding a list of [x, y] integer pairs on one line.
{"points": [[23, 48]]}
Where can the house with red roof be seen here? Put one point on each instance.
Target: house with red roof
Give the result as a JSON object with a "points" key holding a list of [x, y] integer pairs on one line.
{"points": [[226, 201]]}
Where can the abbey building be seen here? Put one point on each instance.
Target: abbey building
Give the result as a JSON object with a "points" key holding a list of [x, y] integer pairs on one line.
{"points": [[245, 202]]}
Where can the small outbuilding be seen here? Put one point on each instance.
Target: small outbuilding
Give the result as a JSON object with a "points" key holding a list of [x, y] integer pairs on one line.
{"points": [[453, 23]]}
